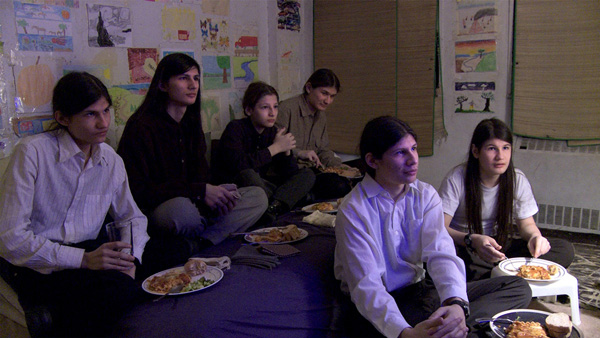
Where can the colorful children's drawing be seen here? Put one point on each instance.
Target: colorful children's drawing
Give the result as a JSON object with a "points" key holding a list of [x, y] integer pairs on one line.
{"points": [[245, 71], [216, 72], [476, 16], [102, 72], [210, 107], [216, 7], [43, 28], [166, 52], [109, 26], [179, 24], [246, 45], [474, 97], [289, 15], [142, 64], [215, 35], [289, 77], [32, 125], [35, 81], [475, 56], [126, 99]]}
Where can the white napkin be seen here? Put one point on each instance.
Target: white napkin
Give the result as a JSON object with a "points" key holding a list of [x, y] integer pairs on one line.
{"points": [[223, 263], [320, 218]]}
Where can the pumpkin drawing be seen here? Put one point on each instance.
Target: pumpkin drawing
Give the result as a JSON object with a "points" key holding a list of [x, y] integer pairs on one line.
{"points": [[35, 84]]}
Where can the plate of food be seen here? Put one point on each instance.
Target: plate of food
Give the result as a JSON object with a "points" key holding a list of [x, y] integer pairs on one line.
{"points": [[533, 269], [327, 207], [534, 323], [194, 276], [277, 235], [344, 171]]}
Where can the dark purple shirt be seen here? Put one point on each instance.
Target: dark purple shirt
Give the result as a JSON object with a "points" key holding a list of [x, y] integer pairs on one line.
{"points": [[164, 159], [242, 147]]}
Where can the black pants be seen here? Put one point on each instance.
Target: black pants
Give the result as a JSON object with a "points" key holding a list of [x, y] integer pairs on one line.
{"points": [[418, 301], [330, 185], [88, 303], [561, 252]]}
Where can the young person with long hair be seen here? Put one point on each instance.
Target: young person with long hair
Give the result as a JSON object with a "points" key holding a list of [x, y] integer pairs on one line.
{"points": [[304, 117], [486, 197], [253, 152], [164, 150], [56, 193], [387, 227]]}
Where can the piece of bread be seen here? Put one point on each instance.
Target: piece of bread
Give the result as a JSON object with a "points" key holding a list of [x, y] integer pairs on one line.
{"points": [[195, 267], [559, 325]]}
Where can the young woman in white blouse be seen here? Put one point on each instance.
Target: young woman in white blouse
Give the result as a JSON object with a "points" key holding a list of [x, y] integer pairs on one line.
{"points": [[486, 197]]}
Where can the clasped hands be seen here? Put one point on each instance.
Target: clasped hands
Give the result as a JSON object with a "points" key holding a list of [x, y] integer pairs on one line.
{"points": [[445, 322]]}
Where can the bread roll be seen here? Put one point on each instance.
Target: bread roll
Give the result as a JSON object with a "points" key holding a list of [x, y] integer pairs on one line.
{"points": [[559, 325], [195, 267]]}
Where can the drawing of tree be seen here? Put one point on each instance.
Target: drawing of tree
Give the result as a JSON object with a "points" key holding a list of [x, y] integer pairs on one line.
{"points": [[63, 28], [223, 63], [480, 51], [460, 100], [488, 96], [23, 23]]}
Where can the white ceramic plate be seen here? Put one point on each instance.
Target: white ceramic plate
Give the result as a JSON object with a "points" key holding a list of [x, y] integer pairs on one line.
{"points": [[250, 237], [511, 266], [499, 329], [311, 208], [212, 273]]}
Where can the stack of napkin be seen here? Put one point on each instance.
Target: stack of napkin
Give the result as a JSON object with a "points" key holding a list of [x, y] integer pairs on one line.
{"points": [[320, 218], [223, 263], [250, 255]]}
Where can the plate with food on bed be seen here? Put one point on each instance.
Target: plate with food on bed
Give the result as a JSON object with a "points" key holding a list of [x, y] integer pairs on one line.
{"points": [[277, 235], [533, 269], [194, 276], [329, 207], [533, 323], [344, 171]]}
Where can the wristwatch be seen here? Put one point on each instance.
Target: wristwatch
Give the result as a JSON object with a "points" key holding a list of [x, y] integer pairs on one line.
{"points": [[469, 242], [464, 305]]}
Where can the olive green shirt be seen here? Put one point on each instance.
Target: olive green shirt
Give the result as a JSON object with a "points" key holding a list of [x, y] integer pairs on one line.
{"points": [[309, 130]]}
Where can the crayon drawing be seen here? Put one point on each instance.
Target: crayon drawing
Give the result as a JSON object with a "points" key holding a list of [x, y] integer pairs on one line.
{"points": [[476, 17], [126, 99], [109, 26], [43, 28], [474, 97], [215, 35], [142, 64], [210, 107], [216, 72], [179, 24], [216, 7], [475, 56], [245, 71], [289, 15]]}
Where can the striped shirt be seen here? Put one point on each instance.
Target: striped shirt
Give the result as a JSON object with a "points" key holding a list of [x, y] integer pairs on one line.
{"points": [[50, 200]]}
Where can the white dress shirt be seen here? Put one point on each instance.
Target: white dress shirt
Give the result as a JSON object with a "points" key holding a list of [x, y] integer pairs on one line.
{"points": [[381, 247], [452, 192], [50, 200]]}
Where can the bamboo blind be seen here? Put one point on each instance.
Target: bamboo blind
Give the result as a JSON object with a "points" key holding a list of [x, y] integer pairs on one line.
{"points": [[383, 66], [557, 69]]}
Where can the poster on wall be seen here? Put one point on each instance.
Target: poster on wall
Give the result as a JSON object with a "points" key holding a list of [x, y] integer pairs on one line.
{"points": [[109, 26], [216, 72], [210, 108], [126, 99], [476, 16], [290, 80], [178, 24], [35, 79], [216, 7], [142, 64], [188, 52], [475, 56], [474, 97], [245, 71], [43, 27], [288, 17], [215, 35]]}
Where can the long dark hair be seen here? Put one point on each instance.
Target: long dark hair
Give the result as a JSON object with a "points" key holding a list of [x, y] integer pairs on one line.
{"points": [[486, 130], [156, 100], [76, 91], [255, 92], [323, 78], [379, 135]]}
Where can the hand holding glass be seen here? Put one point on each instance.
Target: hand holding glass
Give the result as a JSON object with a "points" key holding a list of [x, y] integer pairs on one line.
{"points": [[121, 231]]}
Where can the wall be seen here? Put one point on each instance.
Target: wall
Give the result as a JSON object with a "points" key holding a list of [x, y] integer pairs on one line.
{"points": [[284, 58], [564, 182]]}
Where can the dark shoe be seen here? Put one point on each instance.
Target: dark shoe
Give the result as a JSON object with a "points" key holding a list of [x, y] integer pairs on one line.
{"points": [[277, 208], [39, 321]]}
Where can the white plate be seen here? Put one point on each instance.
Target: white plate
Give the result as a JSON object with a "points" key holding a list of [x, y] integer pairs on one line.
{"points": [[311, 208], [212, 273], [525, 316], [263, 231], [511, 266]]}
